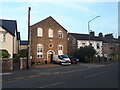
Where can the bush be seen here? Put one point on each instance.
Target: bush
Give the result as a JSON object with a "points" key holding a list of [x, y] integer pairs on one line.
{"points": [[85, 54], [4, 54], [23, 53]]}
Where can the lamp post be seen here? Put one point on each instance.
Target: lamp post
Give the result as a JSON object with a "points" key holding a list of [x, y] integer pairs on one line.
{"points": [[28, 48], [89, 26]]}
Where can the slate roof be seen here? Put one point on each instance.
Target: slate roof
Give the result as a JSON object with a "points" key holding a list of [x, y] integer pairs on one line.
{"points": [[110, 40], [9, 25], [85, 37], [50, 17], [23, 42]]}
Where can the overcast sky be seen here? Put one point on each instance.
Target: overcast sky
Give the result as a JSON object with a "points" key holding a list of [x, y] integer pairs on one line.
{"points": [[73, 16]]}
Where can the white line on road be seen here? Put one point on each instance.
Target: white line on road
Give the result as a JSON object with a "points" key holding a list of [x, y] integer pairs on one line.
{"points": [[5, 73], [95, 74], [52, 84], [75, 70]]}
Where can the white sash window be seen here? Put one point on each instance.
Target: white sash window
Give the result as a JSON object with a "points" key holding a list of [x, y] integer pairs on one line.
{"points": [[39, 32]]}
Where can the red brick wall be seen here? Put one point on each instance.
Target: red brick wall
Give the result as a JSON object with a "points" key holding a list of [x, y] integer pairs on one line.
{"points": [[47, 24]]}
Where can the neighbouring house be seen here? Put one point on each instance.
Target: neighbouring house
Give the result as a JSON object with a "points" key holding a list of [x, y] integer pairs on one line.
{"points": [[9, 37], [47, 38], [23, 44], [110, 46], [76, 40]]}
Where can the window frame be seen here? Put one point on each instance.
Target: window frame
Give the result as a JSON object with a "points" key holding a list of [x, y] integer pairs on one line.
{"points": [[39, 50], [60, 34], [98, 45], [39, 32], [50, 33]]}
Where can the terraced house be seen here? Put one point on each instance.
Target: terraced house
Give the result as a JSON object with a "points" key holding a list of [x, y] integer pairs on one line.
{"points": [[76, 40], [47, 38]]}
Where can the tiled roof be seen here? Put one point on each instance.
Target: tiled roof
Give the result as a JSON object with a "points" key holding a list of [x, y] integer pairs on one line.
{"points": [[9, 25], [85, 37], [24, 42]]}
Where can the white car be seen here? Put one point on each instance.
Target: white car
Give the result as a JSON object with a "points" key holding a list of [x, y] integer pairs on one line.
{"points": [[61, 59]]}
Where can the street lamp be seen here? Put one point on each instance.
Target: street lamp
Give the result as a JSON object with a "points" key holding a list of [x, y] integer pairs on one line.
{"points": [[89, 26]]}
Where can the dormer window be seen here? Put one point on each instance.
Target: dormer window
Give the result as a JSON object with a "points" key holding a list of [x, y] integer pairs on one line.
{"points": [[39, 32], [50, 33], [60, 34]]}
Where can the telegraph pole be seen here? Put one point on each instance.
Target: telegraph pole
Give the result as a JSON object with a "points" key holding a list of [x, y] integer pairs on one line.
{"points": [[28, 49]]}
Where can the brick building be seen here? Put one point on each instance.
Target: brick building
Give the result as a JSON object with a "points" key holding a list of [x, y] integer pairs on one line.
{"points": [[47, 38]]}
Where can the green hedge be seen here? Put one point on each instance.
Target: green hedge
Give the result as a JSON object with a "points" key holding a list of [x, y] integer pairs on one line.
{"points": [[4, 54]]}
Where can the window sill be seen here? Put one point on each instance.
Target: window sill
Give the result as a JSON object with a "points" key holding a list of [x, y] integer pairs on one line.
{"points": [[39, 36]]}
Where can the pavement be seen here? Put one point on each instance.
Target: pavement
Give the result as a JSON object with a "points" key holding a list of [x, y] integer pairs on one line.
{"points": [[35, 71], [40, 70]]}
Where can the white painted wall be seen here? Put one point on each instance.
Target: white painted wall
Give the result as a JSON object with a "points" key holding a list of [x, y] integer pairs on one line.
{"points": [[15, 44], [94, 44], [8, 43]]}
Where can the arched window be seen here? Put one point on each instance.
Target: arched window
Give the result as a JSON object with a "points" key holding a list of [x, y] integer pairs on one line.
{"points": [[50, 33], [60, 34], [39, 51], [39, 32]]}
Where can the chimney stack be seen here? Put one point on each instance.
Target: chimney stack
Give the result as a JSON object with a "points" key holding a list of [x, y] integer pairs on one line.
{"points": [[92, 33], [100, 34]]}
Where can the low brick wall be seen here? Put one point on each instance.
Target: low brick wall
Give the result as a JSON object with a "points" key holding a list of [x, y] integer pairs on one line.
{"points": [[6, 64]]}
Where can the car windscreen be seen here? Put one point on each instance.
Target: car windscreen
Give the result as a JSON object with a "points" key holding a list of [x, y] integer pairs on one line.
{"points": [[64, 56]]}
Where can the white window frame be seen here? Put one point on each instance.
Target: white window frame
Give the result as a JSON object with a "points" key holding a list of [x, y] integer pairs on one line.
{"points": [[39, 32], [50, 33], [60, 49], [60, 34], [39, 51], [97, 45]]}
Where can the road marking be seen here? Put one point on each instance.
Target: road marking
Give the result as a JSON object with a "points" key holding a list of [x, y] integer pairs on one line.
{"points": [[95, 74], [5, 73], [52, 84], [75, 70]]}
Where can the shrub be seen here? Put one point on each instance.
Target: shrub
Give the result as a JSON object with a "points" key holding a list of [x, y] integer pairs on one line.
{"points": [[23, 53], [4, 54], [85, 54]]}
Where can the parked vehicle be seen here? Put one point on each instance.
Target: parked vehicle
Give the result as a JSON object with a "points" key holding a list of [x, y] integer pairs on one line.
{"points": [[74, 60], [61, 59]]}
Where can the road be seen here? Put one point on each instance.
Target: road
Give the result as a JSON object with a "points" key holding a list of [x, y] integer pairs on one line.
{"points": [[74, 76]]}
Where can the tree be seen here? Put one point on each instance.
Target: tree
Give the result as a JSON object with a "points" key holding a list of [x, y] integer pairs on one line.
{"points": [[4, 54], [85, 54], [23, 53]]}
